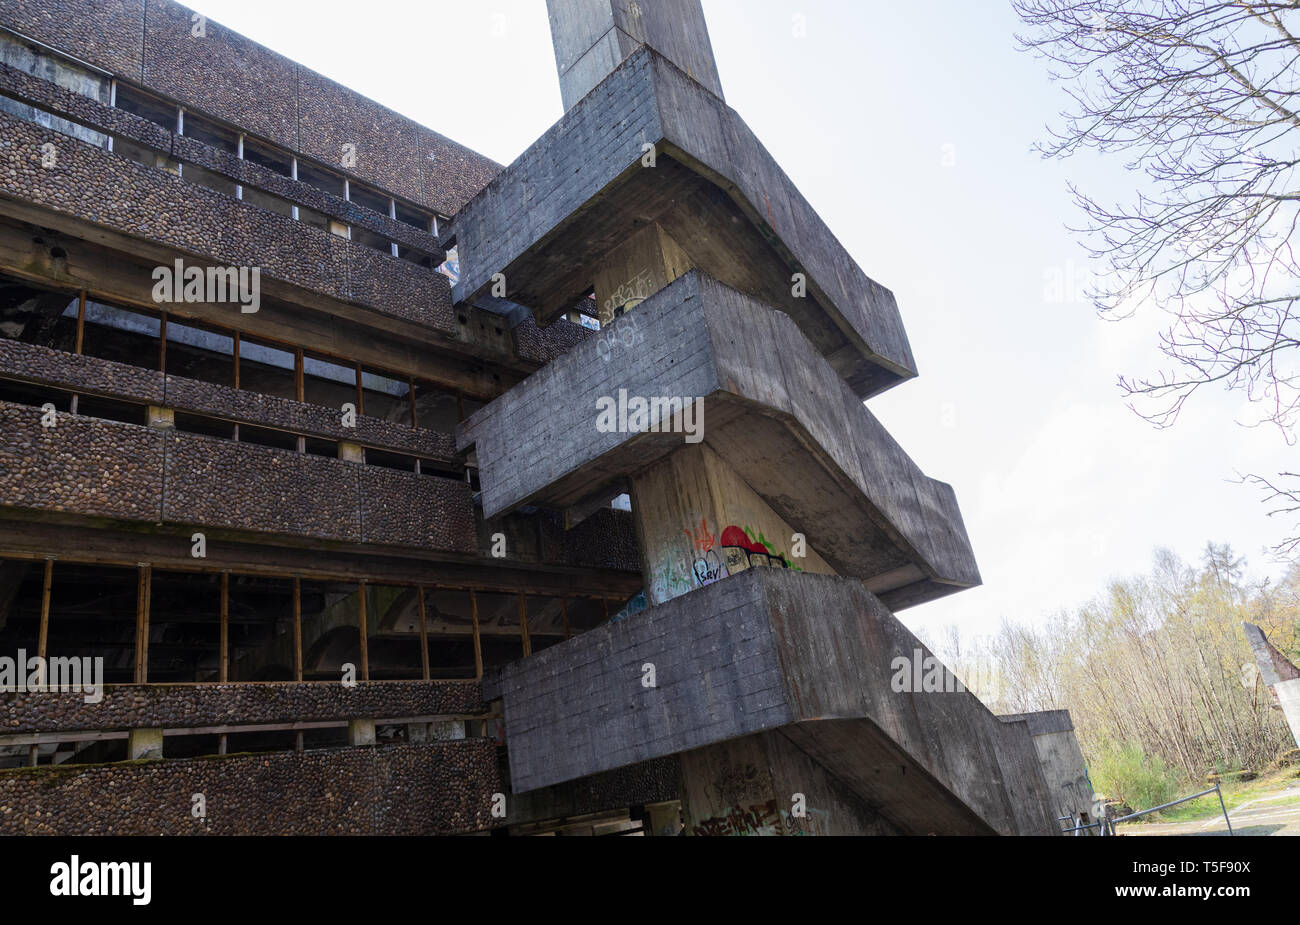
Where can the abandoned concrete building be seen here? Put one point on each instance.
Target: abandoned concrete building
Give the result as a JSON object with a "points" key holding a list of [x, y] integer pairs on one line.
{"points": [[387, 490]]}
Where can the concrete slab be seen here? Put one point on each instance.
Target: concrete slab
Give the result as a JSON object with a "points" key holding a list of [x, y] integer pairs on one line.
{"points": [[773, 409], [813, 656], [650, 144]]}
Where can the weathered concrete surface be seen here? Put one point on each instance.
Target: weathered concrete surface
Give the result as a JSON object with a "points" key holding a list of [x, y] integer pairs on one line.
{"points": [[773, 409], [1064, 769], [572, 197], [1277, 673], [765, 785], [1288, 695], [593, 37], [810, 655]]}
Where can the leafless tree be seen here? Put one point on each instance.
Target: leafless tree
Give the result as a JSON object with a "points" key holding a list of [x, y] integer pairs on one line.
{"points": [[1202, 97]]}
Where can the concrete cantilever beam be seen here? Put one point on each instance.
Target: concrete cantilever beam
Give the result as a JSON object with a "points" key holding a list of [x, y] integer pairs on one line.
{"points": [[773, 409], [811, 657], [576, 194]]}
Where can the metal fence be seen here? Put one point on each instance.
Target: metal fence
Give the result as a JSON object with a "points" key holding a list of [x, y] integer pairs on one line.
{"points": [[1107, 825]]}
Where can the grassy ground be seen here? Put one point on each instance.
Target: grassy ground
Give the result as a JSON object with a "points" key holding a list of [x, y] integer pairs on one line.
{"points": [[1234, 795]]}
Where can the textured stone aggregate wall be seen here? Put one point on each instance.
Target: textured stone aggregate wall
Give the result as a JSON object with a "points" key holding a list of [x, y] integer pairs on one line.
{"points": [[438, 788], [44, 365], [80, 465], [225, 75], [106, 33], [104, 468], [410, 510], [222, 72], [96, 115], [145, 202], [166, 706]]}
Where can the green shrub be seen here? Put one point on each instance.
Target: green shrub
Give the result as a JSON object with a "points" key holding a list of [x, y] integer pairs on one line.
{"points": [[1127, 773]]}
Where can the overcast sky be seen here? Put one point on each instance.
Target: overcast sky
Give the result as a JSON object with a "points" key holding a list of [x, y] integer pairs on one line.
{"points": [[909, 128]]}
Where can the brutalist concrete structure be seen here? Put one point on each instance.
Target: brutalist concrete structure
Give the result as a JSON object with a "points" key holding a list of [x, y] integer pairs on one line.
{"points": [[316, 429], [1278, 675], [778, 521]]}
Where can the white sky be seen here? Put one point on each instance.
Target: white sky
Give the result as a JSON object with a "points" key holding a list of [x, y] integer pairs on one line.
{"points": [[1062, 487]]}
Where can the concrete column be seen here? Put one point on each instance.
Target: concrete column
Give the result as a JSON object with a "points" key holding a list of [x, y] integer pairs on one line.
{"points": [[161, 418], [351, 452], [700, 522], [635, 270], [144, 743], [361, 732], [593, 37]]}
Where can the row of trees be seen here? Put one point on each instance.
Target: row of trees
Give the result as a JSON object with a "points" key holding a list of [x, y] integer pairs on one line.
{"points": [[1157, 666]]}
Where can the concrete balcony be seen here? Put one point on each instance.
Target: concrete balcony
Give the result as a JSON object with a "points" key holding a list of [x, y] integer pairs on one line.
{"points": [[575, 195], [773, 409], [807, 658]]}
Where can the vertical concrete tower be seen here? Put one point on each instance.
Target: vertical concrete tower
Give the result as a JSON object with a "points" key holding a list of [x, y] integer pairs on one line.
{"points": [[779, 522]]}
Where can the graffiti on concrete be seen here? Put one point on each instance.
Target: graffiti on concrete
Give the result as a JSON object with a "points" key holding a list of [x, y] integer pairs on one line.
{"points": [[757, 819], [714, 556]]}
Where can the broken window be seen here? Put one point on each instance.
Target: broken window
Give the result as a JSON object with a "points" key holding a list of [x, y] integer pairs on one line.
{"points": [[327, 383], [331, 635], [268, 156], [199, 352], [267, 369], [370, 198], [450, 629], [260, 628], [393, 633], [147, 106], [213, 181], [370, 239], [123, 335], [255, 197], [321, 179], [37, 314], [419, 258], [184, 627], [435, 408], [385, 398], [413, 217], [93, 615], [210, 133]]}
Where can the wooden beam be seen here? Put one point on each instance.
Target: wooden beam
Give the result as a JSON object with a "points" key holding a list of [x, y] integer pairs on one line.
{"points": [[143, 591], [44, 635], [424, 636], [81, 322], [237, 339], [523, 624], [564, 613], [478, 641], [223, 674]]}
